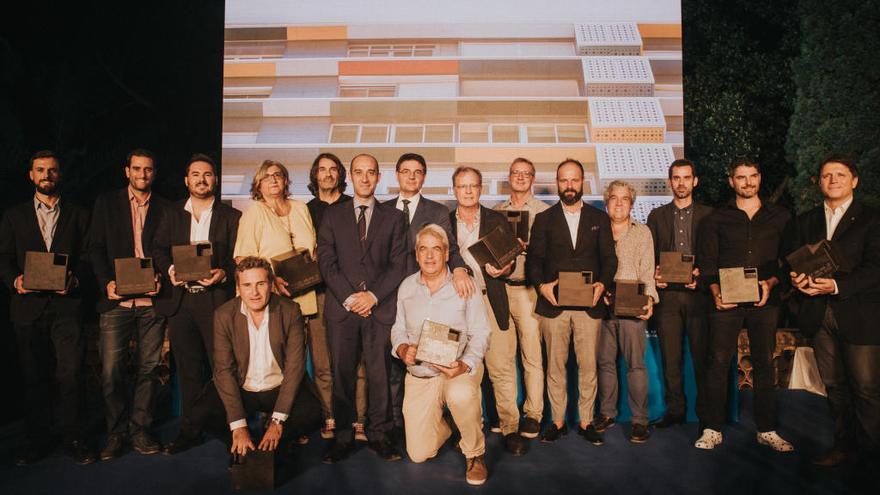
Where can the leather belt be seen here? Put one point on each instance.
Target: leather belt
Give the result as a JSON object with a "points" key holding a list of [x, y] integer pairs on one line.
{"points": [[516, 283], [197, 289]]}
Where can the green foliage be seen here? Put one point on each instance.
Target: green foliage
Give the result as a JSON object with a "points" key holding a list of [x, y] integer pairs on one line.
{"points": [[738, 88], [837, 106]]}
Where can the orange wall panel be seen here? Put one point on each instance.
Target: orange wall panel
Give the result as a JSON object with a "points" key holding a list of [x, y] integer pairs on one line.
{"points": [[259, 69], [398, 67], [660, 30], [312, 33]]}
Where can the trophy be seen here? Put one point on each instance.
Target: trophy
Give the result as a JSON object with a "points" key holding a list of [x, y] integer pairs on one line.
{"points": [[629, 298], [438, 344], [44, 271], [498, 248], [192, 262], [519, 224], [134, 276], [676, 268], [739, 285], [298, 269], [575, 289], [819, 260]]}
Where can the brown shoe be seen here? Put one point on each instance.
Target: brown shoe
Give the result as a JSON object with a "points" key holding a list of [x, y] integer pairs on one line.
{"points": [[327, 430], [476, 472], [834, 457], [359, 432]]}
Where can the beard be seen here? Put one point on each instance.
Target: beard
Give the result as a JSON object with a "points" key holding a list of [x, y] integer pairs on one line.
{"points": [[747, 193], [570, 196], [201, 195], [682, 193], [48, 189]]}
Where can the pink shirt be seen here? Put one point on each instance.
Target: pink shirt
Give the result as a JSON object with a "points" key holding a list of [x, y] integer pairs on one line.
{"points": [[138, 217]]}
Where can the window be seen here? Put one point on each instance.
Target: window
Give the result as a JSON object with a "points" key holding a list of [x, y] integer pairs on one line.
{"points": [[571, 133], [367, 90], [473, 133], [374, 134], [344, 133], [541, 134], [247, 91], [384, 133], [505, 133], [439, 133], [408, 133], [392, 50]]}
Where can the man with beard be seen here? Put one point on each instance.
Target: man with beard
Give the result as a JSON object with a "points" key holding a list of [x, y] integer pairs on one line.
{"points": [[327, 183], [683, 308], [522, 298], [47, 321], [746, 232], [124, 224], [362, 256], [473, 221], [190, 306], [570, 236], [839, 312], [419, 211]]}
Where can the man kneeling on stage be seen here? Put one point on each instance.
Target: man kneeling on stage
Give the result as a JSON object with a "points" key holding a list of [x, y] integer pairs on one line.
{"points": [[259, 359], [429, 295]]}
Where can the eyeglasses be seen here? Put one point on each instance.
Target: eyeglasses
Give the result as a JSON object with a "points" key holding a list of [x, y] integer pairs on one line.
{"points": [[521, 173], [277, 176], [468, 186]]}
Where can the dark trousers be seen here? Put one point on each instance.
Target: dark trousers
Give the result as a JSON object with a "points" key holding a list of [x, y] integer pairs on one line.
{"points": [[117, 328], [398, 373], [350, 339], [724, 329], [851, 374], [55, 335], [683, 313], [191, 332], [303, 418]]}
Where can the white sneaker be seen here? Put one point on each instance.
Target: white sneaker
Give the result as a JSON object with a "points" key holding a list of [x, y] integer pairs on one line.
{"points": [[709, 440], [774, 441]]}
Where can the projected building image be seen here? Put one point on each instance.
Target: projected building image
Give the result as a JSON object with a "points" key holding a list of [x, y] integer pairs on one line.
{"points": [[607, 92]]}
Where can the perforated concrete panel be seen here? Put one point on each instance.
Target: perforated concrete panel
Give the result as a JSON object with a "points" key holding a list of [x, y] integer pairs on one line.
{"points": [[617, 76], [608, 38], [624, 161], [626, 120]]}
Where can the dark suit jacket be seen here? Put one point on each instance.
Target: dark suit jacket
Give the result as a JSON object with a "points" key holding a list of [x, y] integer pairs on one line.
{"points": [[495, 289], [232, 352], [20, 232], [175, 231], [344, 264], [426, 213], [661, 223], [111, 236], [857, 237], [550, 250]]}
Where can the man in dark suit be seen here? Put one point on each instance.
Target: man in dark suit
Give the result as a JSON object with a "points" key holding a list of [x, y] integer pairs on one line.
{"points": [[571, 236], [419, 211], [362, 256], [839, 312], [471, 221], [45, 321], [190, 306], [260, 360], [683, 308], [124, 225]]}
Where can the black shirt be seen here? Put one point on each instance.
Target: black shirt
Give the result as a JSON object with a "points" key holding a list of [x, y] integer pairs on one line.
{"points": [[317, 206], [730, 239]]}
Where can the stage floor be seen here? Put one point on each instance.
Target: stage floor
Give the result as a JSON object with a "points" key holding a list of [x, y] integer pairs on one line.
{"points": [[666, 464]]}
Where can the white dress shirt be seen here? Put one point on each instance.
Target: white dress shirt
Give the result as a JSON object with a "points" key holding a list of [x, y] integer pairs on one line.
{"points": [[573, 219], [263, 372], [468, 235], [834, 216], [199, 228]]}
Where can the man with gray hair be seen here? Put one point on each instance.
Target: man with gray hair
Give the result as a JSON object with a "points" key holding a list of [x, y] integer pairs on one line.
{"points": [[430, 295], [635, 262]]}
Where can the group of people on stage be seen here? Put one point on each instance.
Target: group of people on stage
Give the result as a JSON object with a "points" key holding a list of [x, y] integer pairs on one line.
{"points": [[239, 337]]}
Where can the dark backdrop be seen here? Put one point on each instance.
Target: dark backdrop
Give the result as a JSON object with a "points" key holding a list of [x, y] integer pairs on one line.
{"points": [[93, 80]]}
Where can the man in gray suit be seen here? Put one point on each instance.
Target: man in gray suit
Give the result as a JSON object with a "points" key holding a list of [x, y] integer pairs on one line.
{"points": [[419, 211]]}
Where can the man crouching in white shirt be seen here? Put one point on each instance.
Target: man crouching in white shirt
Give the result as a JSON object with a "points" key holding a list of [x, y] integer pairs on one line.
{"points": [[429, 294], [259, 360]]}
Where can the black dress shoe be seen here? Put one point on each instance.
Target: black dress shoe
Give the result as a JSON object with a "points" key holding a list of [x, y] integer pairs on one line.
{"points": [[143, 443], [592, 435], [670, 420], [181, 444], [27, 454], [639, 433], [515, 444], [554, 433], [602, 423], [113, 448], [834, 457], [529, 427], [339, 451], [384, 449], [80, 452]]}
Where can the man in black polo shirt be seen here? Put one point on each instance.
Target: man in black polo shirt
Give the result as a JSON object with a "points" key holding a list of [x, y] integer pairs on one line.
{"points": [[747, 232]]}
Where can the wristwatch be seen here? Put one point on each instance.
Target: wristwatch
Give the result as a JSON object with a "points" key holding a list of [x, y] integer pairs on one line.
{"points": [[277, 421]]}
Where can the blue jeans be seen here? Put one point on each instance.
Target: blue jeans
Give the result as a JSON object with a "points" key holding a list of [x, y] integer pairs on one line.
{"points": [[117, 328]]}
